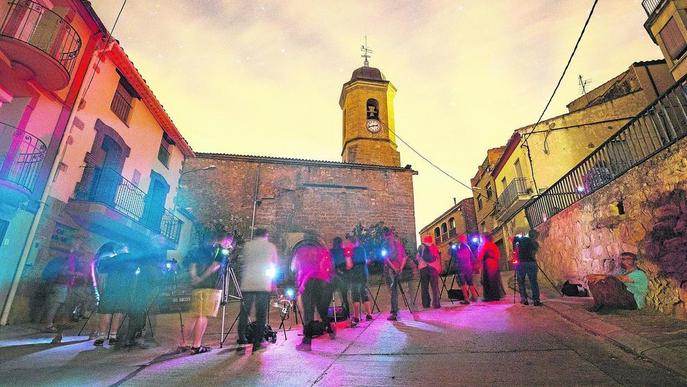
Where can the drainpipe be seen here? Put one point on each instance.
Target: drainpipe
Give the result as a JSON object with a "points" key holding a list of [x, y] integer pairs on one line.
{"points": [[41, 204]]}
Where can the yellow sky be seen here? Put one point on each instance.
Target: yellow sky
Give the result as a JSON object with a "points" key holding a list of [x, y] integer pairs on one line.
{"points": [[264, 77]]}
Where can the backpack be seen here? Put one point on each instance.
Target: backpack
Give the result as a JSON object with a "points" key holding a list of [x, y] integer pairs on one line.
{"points": [[574, 290], [427, 254]]}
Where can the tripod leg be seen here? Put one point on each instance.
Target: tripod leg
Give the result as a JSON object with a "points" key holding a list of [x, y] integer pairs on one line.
{"points": [[86, 323], [374, 300], [221, 332], [403, 295], [515, 283], [229, 331], [549, 279], [417, 290]]}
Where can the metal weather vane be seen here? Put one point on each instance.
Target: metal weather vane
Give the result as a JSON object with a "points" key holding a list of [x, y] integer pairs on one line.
{"points": [[367, 53]]}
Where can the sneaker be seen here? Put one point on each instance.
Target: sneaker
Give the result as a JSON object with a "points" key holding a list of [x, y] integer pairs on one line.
{"points": [[524, 302], [332, 331], [464, 302], [368, 317], [201, 349], [356, 320], [49, 329], [242, 341], [392, 317], [257, 347], [99, 341], [538, 303], [113, 340], [183, 348], [304, 347]]}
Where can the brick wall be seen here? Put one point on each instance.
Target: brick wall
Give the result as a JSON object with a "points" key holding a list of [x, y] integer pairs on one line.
{"points": [[298, 199], [588, 236]]}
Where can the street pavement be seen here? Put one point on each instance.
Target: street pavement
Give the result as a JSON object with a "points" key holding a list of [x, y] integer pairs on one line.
{"points": [[476, 344]]}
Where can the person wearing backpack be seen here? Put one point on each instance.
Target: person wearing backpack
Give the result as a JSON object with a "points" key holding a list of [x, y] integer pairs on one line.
{"points": [[430, 267]]}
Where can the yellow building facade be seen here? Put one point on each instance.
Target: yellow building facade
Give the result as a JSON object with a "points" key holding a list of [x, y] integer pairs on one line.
{"points": [[667, 27], [536, 157], [449, 226]]}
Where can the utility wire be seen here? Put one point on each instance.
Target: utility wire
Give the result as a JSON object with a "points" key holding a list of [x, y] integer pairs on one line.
{"points": [[107, 41], [591, 12], [572, 54]]}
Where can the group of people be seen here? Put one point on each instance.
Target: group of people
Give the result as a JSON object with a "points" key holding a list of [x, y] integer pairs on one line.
{"points": [[125, 285]]}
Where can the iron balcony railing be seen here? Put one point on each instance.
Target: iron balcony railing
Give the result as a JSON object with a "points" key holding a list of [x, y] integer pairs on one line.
{"points": [[518, 187], [650, 6], [36, 25], [657, 127], [21, 156], [108, 187]]}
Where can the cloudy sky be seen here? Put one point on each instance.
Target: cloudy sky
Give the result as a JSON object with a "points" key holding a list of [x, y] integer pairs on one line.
{"points": [[264, 77]]}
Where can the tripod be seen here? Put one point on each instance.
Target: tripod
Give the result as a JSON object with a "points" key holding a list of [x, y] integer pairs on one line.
{"points": [[229, 273], [397, 279], [284, 314], [451, 272]]}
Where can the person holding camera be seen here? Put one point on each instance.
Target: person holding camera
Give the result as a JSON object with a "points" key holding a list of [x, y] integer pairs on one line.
{"points": [[430, 267], [394, 261], [313, 268], [111, 286], [340, 280], [260, 262], [204, 264], [358, 275], [525, 249], [463, 256]]}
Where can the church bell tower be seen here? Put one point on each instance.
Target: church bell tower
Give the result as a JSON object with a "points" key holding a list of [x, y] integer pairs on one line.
{"points": [[367, 101]]}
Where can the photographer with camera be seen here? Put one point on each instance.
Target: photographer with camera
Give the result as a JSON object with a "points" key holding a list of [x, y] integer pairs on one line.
{"points": [[313, 267], [146, 287], [464, 258], [395, 259], [111, 288], [204, 264], [260, 262]]}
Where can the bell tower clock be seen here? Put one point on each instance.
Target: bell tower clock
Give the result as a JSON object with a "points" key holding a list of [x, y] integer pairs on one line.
{"points": [[367, 101]]}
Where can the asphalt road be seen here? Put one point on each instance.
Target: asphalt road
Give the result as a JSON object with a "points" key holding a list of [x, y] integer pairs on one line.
{"points": [[478, 344]]}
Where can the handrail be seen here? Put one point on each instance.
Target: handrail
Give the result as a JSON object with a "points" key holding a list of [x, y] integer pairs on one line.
{"points": [[107, 186], [21, 156], [42, 28], [655, 128]]}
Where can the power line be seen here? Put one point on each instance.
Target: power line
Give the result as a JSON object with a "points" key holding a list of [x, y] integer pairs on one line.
{"points": [[572, 54], [579, 38], [107, 41]]}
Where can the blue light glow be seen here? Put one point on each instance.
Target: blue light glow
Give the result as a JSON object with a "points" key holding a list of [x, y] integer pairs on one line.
{"points": [[384, 252]]}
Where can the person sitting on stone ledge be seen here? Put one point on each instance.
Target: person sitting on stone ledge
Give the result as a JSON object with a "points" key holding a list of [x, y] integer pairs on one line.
{"points": [[625, 289]]}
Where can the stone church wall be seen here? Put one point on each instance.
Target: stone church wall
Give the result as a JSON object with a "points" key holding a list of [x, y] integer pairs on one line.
{"points": [[588, 236], [298, 200]]}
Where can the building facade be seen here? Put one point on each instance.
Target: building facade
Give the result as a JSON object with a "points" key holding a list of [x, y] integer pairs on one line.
{"points": [[46, 48], [535, 158], [445, 230], [112, 173], [309, 201]]}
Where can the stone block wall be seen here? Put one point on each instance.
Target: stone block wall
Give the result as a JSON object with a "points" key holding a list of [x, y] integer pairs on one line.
{"points": [[588, 236], [298, 200]]}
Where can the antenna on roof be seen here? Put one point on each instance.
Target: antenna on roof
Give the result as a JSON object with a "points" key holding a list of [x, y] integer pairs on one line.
{"points": [[583, 84], [365, 49]]}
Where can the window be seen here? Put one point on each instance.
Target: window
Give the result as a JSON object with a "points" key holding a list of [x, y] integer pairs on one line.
{"points": [[372, 110], [163, 153], [122, 100], [482, 227], [444, 229], [489, 190], [503, 183], [479, 203], [673, 40], [437, 233], [518, 168], [451, 223]]}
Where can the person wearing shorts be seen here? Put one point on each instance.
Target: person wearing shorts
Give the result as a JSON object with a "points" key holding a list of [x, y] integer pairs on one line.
{"points": [[204, 265], [358, 279]]}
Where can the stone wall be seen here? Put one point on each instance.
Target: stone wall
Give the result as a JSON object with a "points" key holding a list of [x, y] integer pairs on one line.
{"points": [[298, 200], [588, 236]]}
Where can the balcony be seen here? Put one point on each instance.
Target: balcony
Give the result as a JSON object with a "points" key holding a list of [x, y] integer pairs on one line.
{"points": [[516, 193], [650, 6], [21, 157], [40, 43], [108, 204], [653, 130]]}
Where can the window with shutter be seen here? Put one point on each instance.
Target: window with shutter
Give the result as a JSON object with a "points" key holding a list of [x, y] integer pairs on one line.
{"points": [[673, 40]]}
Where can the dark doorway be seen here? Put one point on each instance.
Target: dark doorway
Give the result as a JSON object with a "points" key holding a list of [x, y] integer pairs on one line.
{"points": [[108, 176], [155, 201]]}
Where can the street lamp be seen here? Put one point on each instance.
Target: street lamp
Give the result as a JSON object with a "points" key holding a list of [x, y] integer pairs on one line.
{"points": [[208, 168]]}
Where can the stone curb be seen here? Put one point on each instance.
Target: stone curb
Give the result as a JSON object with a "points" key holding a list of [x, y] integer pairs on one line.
{"points": [[668, 358]]}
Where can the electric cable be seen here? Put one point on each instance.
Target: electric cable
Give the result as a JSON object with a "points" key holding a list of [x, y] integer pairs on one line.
{"points": [[107, 41]]}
